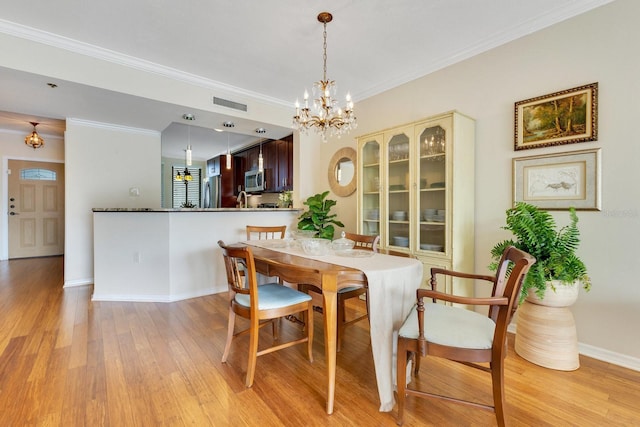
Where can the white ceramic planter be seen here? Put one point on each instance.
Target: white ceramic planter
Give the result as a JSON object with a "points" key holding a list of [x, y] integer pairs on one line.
{"points": [[558, 294]]}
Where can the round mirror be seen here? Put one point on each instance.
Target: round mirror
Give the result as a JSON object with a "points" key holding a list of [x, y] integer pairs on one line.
{"points": [[342, 172]]}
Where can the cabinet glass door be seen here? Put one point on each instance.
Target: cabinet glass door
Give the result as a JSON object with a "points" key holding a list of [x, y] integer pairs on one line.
{"points": [[370, 215], [432, 181], [398, 186]]}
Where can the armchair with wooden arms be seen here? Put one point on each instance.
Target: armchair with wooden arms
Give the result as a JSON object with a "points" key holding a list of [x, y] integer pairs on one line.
{"points": [[260, 304], [461, 335]]}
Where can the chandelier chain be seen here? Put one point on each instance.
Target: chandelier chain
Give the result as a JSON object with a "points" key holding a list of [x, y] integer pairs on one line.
{"points": [[324, 50]]}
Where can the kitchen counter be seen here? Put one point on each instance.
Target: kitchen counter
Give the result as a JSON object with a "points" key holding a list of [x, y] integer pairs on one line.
{"points": [[166, 255]]}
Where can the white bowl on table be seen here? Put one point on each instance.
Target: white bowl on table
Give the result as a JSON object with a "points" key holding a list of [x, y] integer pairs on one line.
{"points": [[315, 246]]}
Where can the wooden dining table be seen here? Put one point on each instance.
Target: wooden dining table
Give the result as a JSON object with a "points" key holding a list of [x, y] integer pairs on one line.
{"points": [[331, 277]]}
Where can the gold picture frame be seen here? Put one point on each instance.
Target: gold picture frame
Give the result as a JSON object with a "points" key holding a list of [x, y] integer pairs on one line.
{"points": [[558, 181], [564, 117]]}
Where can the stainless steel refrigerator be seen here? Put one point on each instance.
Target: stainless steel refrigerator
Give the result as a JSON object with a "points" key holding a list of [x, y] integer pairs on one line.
{"points": [[211, 192]]}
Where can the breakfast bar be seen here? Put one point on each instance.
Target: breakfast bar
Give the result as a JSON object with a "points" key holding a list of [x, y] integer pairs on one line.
{"points": [[165, 255]]}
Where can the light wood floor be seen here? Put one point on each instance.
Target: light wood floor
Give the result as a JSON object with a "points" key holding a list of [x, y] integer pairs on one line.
{"points": [[65, 361]]}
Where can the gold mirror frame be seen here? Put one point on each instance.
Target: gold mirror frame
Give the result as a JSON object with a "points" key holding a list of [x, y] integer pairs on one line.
{"points": [[343, 190]]}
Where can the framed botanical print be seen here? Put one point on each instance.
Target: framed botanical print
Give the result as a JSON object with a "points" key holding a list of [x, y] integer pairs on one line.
{"points": [[558, 181]]}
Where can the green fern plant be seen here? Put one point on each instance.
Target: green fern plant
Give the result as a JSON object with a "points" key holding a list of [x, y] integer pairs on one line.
{"points": [[319, 218], [535, 232]]}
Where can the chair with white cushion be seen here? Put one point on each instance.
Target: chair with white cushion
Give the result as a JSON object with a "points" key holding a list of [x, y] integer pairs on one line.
{"points": [[461, 335]]}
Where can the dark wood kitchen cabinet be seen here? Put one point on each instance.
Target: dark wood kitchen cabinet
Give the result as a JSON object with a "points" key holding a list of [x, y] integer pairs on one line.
{"points": [[277, 158], [284, 164], [217, 167], [269, 154]]}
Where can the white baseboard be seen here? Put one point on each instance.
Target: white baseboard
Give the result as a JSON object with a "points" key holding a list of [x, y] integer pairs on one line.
{"points": [[77, 282], [151, 298], [602, 354]]}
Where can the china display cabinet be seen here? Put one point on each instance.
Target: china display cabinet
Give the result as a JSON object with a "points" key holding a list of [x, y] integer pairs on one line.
{"points": [[416, 190]]}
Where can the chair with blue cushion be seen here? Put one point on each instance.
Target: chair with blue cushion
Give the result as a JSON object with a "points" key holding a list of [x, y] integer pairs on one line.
{"points": [[461, 335], [260, 304]]}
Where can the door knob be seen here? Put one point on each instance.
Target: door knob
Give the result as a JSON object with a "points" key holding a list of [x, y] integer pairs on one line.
{"points": [[12, 206], [12, 199], [13, 213]]}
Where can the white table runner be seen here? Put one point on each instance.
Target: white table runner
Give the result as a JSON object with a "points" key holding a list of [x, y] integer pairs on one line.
{"points": [[392, 283]]}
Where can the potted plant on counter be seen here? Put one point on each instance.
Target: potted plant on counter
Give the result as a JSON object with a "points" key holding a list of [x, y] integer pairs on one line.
{"points": [[551, 285], [285, 199], [318, 217]]}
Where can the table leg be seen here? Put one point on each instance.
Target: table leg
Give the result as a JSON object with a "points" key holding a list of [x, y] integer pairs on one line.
{"points": [[330, 304]]}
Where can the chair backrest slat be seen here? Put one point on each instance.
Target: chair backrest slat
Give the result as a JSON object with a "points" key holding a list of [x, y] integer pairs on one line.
{"points": [[266, 232], [362, 241], [240, 267]]}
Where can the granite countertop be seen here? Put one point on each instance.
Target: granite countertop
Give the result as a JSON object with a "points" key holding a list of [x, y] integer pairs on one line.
{"points": [[197, 209]]}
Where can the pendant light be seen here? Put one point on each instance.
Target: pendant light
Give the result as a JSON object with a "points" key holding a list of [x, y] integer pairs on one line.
{"points": [[34, 140], [188, 152], [260, 160], [228, 153]]}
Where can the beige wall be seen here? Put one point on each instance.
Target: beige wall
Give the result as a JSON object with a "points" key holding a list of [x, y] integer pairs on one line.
{"points": [[599, 46]]}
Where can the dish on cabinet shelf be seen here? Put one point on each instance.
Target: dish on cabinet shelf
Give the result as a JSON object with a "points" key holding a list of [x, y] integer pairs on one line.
{"points": [[399, 216], [437, 185], [431, 247], [401, 241], [397, 187]]}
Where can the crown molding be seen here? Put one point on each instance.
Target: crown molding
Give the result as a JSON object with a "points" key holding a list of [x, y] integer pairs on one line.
{"points": [[109, 126], [503, 37], [92, 51]]}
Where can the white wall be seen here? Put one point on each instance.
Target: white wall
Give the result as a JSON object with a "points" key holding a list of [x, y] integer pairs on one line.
{"points": [[599, 46], [102, 164]]}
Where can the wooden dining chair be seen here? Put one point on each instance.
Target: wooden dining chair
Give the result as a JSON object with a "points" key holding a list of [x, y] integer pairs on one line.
{"points": [[261, 305], [461, 335], [363, 242], [266, 232]]}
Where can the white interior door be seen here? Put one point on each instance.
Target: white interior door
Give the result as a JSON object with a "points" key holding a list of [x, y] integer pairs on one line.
{"points": [[36, 209]]}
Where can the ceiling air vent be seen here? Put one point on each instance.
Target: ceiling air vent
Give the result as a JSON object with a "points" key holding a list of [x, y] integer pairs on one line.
{"points": [[229, 104]]}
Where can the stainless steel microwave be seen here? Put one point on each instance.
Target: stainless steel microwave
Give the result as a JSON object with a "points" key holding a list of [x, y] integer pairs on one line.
{"points": [[254, 181]]}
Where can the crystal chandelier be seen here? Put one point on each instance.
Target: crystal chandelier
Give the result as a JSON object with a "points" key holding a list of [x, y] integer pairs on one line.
{"points": [[34, 140], [326, 117]]}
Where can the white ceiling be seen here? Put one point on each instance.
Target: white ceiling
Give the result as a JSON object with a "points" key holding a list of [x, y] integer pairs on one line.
{"points": [[270, 49]]}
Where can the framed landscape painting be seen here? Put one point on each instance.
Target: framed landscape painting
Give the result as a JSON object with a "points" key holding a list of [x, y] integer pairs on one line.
{"points": [[558, 181], [564, 117]]}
